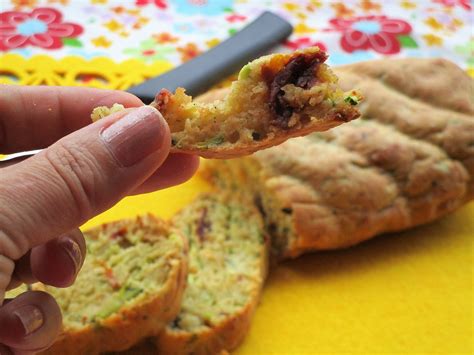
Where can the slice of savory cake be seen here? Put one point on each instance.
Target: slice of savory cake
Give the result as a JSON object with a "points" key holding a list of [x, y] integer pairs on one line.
{"points": [[227, 268], [129, 288]]}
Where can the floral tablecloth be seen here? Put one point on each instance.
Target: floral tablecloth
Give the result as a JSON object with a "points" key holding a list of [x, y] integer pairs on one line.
{"points": [[117, 43]]}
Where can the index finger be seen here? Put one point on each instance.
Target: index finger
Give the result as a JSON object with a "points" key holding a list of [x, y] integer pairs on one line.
{"points": [[34, 117]]}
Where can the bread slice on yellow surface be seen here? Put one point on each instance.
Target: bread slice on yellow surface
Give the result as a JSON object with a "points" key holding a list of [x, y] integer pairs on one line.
{"points": [[129, 288], [275, 97], [227, 268]]}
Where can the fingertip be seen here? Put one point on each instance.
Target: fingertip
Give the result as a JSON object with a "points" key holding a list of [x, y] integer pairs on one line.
{"points": [[58, 262], [176, 169], [136, 135], [183, 165], [191, 165], [31, 321]]}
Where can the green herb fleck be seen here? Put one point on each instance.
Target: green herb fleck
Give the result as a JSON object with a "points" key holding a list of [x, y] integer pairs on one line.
{"points": [[113, 305], [129, 292], [211, 142], [351, 99], [244, 72], [110, 307]]}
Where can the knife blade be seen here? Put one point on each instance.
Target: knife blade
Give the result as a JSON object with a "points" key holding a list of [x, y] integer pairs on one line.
{"points": [[207, 69]]}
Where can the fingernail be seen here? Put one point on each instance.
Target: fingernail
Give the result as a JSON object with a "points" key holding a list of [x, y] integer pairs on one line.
{"points": [[73, 250], [136, 135], [31, 318]]}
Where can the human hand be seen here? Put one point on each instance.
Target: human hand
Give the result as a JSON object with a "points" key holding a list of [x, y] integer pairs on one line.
{"points": [[86, 169]]}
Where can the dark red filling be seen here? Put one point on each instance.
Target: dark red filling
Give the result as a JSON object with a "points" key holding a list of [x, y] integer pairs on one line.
{"points": [[299, 71], [203, 225], [161, 100]]}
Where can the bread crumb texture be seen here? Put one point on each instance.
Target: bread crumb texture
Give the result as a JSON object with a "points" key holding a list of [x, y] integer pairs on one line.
{"points": [[227, 268], [103, 111], [276, 95], [129, 287]]}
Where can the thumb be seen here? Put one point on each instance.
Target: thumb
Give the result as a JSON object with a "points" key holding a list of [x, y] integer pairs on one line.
{"points": [[78, 177]]}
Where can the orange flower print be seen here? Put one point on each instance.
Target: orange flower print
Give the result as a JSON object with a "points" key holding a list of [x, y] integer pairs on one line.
{"points": [[303, 42], [342, 10], [369, 5], [24, 3], [165, 37], [189, 51]]}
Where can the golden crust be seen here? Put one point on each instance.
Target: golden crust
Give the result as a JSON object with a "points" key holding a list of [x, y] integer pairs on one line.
{"points": [[364, 188], [427, 99], [213, 95], [240, 150], [225, 336], [434, 82], [408, 161], [125, 328]]}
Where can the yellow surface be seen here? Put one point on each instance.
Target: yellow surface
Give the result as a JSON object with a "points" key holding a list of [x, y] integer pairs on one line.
{"points": [[404, 293]]}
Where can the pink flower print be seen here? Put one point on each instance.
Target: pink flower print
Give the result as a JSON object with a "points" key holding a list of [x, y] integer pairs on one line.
{"points": [[161, 4], [371, 32], [466, 4], [235, 18], [41, 27], [303, 42]]}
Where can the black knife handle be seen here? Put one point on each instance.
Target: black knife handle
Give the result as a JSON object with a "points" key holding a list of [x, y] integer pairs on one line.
{"points": [[207, 69]]}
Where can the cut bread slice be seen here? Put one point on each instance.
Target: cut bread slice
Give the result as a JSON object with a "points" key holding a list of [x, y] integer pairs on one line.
{"points": [[275, 97], [227, 268], [129, 288]]}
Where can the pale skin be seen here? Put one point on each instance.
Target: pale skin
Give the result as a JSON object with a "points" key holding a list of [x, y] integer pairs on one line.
{"points": [[86, 169]]}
